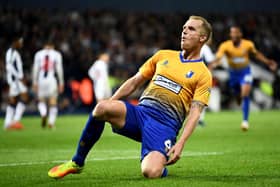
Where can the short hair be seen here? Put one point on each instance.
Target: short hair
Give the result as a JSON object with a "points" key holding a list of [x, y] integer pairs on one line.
{"points": [[206, 26], [237, 27], [49, 40]]}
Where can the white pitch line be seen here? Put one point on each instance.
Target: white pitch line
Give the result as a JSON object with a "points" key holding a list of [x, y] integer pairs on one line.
{"points": [[185, 154], [64, 151]]}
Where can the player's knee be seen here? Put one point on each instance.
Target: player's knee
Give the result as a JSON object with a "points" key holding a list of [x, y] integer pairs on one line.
{"points": [[151, 172], [100, 109], [245, 95], [12, 101], [24, 101]]}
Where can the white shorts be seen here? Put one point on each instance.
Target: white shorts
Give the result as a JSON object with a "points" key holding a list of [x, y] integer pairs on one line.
{"points": [[102, 90], [47, 90], [17, 88]]}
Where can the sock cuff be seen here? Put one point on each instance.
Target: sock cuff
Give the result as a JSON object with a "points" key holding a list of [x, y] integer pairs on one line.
{"points": [[164, 173], [53, 109], [11, 106]]}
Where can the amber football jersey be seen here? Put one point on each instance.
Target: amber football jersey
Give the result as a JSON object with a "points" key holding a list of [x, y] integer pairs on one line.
{"points": [[238, 57], [175, 83]]}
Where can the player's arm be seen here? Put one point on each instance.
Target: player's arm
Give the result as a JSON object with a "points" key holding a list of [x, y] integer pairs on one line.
{"points": [[192, 119], [260, 56], [200, 100], [220, 53], [35, 72], [269, 62], [59, 70], [11, 69], [18, 73], [19, 66], [145, 73], [215, 63], [129, 86]]}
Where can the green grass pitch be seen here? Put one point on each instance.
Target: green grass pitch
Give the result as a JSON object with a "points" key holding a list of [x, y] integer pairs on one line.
{"points": [[219, 154]]}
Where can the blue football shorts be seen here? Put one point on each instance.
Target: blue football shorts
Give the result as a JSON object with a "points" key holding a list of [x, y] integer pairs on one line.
{"points": [[149, 126], [239, 77]]}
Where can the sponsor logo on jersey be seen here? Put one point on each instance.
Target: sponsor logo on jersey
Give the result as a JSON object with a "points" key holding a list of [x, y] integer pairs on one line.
{"points": [[238, 60], [167, 83]]}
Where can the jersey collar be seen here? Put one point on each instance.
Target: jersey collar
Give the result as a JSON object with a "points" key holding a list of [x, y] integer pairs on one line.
{"points": [[185, 60]]}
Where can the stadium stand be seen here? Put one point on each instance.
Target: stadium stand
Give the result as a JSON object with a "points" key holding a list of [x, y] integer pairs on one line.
{"points": [[130, 37]]}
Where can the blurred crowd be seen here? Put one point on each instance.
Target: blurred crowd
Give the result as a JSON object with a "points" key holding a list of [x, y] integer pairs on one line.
{"points": [[129, 37]]}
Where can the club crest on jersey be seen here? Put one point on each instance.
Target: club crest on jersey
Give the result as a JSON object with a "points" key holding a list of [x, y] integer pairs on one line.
{"points": [[189, 74], [164, 63]]}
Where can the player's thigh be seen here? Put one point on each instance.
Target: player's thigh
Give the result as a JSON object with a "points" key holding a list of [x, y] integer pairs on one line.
{"points": [[112, 111], [42, 100], [246, 89], [24, 96], [12, 100], [153, 164], [246, 84], [234, 85], [99, 91], [52, 101]]}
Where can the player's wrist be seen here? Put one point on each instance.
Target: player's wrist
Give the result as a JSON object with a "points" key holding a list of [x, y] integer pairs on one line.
{"points": [[272, 62], [181, 142]]}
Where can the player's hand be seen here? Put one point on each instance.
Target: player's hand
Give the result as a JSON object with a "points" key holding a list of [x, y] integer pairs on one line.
{"points": [[61, 89], [272, 65], [211, 66], [175, 153], [214, 64]]}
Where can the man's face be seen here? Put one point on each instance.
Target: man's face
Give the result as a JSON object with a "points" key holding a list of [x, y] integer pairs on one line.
{"points": [[20, 43], [235, 34], [191, 34]]}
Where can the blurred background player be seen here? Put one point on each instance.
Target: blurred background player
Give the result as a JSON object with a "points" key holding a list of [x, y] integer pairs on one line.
{"points": [[237, 51], [48, 65], [208, 57], [99, 74], [17, 90]]}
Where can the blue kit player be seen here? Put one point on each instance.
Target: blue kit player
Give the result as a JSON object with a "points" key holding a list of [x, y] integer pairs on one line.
{"points": [[179, 87], [237, 51]]}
